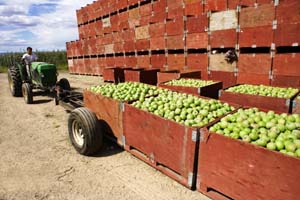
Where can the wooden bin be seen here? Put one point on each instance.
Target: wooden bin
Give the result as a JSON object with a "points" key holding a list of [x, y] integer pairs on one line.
{"points": [[264, 102], [164, 76], [109, 111], [228, 78], [114, 74], [165, 145], [148, 76], [211, 91], [240, 170]]}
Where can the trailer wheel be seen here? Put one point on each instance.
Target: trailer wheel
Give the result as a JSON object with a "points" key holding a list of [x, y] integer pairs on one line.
{"points": [[85, 131], [27, 93]]}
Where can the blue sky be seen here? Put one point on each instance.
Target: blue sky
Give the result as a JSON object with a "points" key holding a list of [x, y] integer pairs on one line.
{"points": [[42, 24]]}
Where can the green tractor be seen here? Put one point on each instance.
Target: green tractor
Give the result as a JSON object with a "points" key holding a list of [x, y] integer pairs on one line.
{"points": [[43, 77]]}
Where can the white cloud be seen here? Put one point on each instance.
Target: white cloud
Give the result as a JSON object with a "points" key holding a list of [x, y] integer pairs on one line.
{"points": [[51, 30]]}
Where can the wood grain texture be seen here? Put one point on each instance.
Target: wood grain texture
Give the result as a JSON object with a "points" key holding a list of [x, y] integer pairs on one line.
{"points": [[245, 171]]}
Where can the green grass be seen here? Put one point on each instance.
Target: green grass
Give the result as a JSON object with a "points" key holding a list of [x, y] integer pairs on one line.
{"points": [[3, 69]]}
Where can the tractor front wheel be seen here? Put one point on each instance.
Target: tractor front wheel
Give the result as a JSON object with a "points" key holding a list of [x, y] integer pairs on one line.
{"points": [[14, 81], [27, 93], [85, 131]]}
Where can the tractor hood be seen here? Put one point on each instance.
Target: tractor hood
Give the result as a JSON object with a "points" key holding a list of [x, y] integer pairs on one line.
{"points": [[40, 66], [44, 74]]}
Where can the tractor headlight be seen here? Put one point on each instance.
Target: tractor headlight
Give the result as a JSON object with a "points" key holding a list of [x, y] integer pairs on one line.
{"points": [[42, 75]]}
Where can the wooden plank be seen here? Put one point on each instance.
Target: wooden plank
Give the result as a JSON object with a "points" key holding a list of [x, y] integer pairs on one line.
{"points": [[223, 20], [148, 76], [175, 61], [157, 29], [143, 61], [197, 24], [197, 41], [113, 74], [255, 63], [197, 61], [176, 42], [215, 5], [228, 78], [142, 45], [195, 8], [131, 61], [257, 16], [242, 168], [158, 61], [142, 32], [286, 81], [287, 35], [166, 145], [157, 43], [256, 37], [175, 27], [217, 62], [223, 38], [287, 64], [264, 102], [288, 12], [253, 78]]}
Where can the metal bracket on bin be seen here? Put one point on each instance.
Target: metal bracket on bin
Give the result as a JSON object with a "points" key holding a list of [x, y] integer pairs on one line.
{"points": [[190, 179], [123, 140], [199, 90], [195, 136], [288, 102], [294, 104], [122, 106], [220, 93]]}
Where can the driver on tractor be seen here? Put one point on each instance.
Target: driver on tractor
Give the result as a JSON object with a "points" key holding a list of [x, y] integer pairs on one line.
{"points": [[27, 59]]}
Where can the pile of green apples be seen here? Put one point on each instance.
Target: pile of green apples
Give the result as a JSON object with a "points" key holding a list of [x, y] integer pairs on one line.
{"points": [[263, 90], [183, 108], [190, 83], [278, 132], [125, 91]]}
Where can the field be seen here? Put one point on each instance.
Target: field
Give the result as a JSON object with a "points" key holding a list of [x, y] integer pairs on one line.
{"points": [[58, 58], [38, 162]]}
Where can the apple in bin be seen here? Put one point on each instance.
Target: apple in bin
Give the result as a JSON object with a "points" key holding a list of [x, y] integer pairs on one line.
{"points": [[190, 83], [277, 132], [263, 90], [183, 108]]}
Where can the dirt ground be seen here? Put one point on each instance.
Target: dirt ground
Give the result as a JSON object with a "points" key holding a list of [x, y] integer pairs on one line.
{"points": [[37, 160]]}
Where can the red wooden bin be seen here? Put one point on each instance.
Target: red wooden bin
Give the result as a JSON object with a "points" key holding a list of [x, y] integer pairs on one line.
{"points": [[164, 76], [114, 74], [234, 169], [211, 91], [264, 102], [165, 145], [108, 111], [148, 76]]}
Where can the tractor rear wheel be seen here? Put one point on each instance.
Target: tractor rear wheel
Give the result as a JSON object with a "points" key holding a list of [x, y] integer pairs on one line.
{"points": [[14, 81], [64, 84], [27, 93], [85, 131]]}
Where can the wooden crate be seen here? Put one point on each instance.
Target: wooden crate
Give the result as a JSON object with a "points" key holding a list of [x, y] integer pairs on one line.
{"points": [[158, 61], [286, 81], [211, 91], [255, 63], [197, 61], [157, 29], [223, 38], [228, 78], [158, 43], [114, 74], [175, 61], [198, 24], [129, 46], [215, 5], [286, 64], [176, 42], [288, 12], [175, 27], [264, 102], [217, 62], [158, 16], [193, 8], [253, 78], [164, 76], [287, 35], [256, 37], [142, 32], [174, 13], [257, 16], [120, 61], [130, 61], [143, 61], [240, 170], [197, 41], [148, 76], [108, 111], [165, 145], [142, 45], [223, 20], [146, 10]]}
